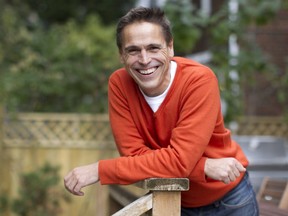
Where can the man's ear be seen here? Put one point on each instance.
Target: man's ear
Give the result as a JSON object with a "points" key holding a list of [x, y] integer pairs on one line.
{"points": [[121, 58], [171, 49]]}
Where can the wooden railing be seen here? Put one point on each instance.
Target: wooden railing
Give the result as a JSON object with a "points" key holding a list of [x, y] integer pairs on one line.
{"points": [[163, 198], [273, 197]]}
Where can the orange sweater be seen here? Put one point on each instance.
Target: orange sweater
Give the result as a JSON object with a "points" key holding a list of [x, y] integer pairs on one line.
{"points": [[174, 141]]}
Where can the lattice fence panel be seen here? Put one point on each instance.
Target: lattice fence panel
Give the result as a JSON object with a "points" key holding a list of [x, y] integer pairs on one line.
{"points": [[274, 126], [93, 131], [57, 130]]}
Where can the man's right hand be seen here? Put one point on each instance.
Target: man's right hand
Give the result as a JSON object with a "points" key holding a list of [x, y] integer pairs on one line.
{"points": [[81, 177], [223, 169]]}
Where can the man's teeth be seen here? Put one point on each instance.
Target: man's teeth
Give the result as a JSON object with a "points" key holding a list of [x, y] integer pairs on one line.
{"points": [[148, 71]]}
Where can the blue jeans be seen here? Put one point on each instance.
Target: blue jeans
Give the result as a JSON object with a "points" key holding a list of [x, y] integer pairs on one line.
{"points": [[240, 201]]}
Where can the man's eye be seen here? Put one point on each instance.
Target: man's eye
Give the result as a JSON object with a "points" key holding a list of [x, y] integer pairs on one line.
{"points": [[133, 52], [154, 49]]}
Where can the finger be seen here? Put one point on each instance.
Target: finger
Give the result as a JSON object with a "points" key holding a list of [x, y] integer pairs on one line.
{"points": [[68, 180], [77, 189], [232, 173], [240, 167], [70, 187], [232, 177], [236, 173], [70, 183], [77, 192], [226, 180]]}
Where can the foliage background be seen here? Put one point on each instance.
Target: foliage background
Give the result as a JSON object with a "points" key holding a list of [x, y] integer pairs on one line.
{"points": [[51, 65], [235, 73], [57, 57]]}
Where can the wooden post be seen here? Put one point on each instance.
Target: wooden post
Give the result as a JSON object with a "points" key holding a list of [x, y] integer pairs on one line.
{"points": [[1, 125], [284, 200], [164, 198], [166, 203], [166, 194]]}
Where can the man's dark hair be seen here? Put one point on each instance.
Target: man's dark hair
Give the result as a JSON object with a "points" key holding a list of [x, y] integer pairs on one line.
{"points": [[139, 14]]}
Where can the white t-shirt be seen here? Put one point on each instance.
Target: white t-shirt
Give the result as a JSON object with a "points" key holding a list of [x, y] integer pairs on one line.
{"points": [[155, 102]]}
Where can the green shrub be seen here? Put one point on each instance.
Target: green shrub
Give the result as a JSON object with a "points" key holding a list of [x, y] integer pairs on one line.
{"points": [[39, 194], [61, 69]]}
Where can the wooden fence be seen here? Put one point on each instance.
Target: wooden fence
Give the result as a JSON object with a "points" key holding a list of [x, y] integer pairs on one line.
{"points": [[255, 125], [57, 130], [28, 140]]}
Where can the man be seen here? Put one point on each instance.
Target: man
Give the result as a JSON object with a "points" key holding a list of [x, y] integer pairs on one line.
{"points": [[166, 120]]}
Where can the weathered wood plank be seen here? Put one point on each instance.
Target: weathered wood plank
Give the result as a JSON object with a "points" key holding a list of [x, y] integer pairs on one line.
{"points": [[121, 195], [166, 203], [166, 197], [271, 210], [164, 184], [272, 191], [136, 208], [284, 200]]}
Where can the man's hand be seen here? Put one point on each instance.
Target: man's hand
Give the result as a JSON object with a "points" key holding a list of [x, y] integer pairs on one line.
{"points": [[224, 169], [80, 177]]}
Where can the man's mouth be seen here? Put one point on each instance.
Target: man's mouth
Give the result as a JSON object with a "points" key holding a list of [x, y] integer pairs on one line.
{"points": [[148, 71]]}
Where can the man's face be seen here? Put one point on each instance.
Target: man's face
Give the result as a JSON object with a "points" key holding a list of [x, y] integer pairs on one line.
{"points": [[146, 56]]}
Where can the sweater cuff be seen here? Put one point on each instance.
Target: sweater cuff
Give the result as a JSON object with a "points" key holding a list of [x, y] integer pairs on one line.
{"points": [[198, 174], [108, 172]]}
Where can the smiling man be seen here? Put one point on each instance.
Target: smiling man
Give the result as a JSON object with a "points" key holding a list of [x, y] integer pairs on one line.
{"points": [[166, 120], [147, 57]]}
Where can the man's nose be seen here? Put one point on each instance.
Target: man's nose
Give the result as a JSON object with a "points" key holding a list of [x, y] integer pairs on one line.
{"points": [[144, 57]]}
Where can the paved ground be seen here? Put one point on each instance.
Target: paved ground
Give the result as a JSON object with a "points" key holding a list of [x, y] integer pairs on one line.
{"points": [[268, 156]]}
